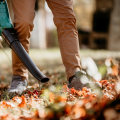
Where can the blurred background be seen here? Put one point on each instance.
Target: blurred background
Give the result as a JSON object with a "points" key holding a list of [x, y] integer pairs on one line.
{"points": [[98, 24]]}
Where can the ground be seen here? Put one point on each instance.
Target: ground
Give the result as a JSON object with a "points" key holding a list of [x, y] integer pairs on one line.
{"points": [[54, 100]]}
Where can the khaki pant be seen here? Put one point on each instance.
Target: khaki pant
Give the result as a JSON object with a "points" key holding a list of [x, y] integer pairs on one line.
{"points": [[65, 22]]}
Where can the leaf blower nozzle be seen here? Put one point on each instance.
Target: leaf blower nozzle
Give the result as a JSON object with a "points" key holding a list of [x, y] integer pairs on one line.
{"points": [[10, 36]]}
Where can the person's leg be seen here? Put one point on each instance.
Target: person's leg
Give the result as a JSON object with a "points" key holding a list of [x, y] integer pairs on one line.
{"points": [[65, 21], [23, 24]]}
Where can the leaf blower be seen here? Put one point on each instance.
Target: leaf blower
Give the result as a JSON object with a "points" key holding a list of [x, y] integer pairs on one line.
{"points": [[9, 34]]}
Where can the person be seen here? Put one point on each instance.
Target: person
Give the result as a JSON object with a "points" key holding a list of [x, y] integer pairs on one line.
{"points": [[65, 22]]}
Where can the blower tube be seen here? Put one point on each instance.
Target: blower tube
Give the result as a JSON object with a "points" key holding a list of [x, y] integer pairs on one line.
{"points": [[10, 36]]}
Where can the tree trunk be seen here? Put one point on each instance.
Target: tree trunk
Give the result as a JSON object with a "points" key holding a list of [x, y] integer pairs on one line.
{"points": [[38, 35], [114, 36]]}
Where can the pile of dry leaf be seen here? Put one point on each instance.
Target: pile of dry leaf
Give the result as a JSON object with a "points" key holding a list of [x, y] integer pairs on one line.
{"points": [[59, 102]]}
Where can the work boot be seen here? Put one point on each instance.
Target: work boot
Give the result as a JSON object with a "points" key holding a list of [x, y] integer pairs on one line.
{"points": [[18, 85], [81, 79], [78, 81]]}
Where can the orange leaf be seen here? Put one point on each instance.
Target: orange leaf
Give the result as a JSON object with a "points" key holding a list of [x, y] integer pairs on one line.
{"points": [[68, 109], [78, 112], [73, 91], [52, 97], [4, 117], [60, 99], [5, 104], [104, 82], [115, 70], [23, 103]]}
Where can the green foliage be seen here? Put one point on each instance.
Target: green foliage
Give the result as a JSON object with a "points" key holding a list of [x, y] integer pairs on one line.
{"points": [[103, 70]]}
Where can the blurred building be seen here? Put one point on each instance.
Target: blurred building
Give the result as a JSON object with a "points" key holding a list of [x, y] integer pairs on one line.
{"points": [[114, 33], [98, 23]]}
